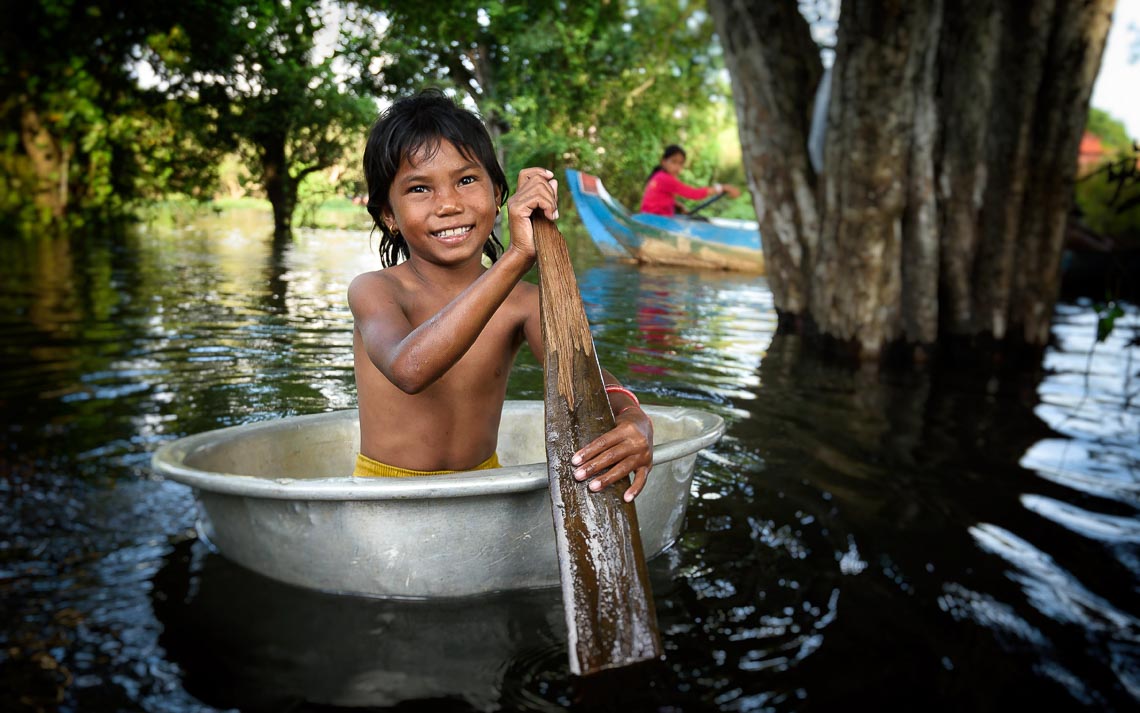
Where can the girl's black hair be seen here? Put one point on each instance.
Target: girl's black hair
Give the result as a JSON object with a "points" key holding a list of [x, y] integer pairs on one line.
{"points": [[409, 129], [670, 150]]}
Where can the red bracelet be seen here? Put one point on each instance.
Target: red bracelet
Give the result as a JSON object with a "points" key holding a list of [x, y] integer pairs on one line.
{"points": [[614, 388]]}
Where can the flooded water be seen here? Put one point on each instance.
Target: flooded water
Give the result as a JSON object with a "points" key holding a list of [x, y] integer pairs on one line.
{"points": [[937, 541]]}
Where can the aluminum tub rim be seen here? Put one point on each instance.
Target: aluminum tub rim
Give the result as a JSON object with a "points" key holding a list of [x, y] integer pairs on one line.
{"points": [[169, 461]]}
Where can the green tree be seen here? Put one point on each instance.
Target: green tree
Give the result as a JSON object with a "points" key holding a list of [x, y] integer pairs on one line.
{"points": [[1108, 198], [1109, 130], [263, 86], [598, 86], [81, 138]]}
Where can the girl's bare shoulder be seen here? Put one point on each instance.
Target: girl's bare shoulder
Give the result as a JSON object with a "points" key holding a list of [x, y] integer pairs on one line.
{"points": [[394, 276], [383, 284]]}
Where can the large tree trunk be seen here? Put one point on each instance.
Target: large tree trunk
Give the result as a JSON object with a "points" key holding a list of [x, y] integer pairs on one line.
{"points": [[877, 188], [1076, 38], [953, 128], [971, 36], [774, 80]]}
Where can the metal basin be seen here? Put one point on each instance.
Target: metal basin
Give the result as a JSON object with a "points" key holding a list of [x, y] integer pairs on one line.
{"points": [[275, 498]]}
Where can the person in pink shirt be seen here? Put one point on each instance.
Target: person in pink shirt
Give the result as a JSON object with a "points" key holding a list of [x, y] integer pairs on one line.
{"points": [[664, 187]]}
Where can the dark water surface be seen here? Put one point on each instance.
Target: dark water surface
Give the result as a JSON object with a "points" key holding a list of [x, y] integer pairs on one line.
{"points": [[938, 541]]}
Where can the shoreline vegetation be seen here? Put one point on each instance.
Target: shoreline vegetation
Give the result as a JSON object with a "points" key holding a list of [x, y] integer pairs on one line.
{"points": [[337, 213]]}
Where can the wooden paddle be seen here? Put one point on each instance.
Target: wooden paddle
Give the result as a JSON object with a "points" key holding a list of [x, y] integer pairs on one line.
{"points": [[605, 587]]}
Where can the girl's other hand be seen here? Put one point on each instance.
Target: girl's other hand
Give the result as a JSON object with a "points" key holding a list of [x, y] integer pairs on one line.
{"points": [[628, 448]]}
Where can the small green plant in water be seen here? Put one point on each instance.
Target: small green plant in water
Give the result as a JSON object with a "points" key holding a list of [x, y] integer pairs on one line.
{"points": [[1106, 315]]}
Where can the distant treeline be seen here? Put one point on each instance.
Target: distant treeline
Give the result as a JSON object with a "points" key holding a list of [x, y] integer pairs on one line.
{"points": [[111, 104]]}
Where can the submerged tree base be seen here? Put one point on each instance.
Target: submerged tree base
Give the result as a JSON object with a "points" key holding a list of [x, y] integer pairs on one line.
{"points": [[982, 352]]}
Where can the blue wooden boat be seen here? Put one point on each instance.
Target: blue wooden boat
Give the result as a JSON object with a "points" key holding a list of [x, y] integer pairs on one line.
{"points": [[715, 243]]}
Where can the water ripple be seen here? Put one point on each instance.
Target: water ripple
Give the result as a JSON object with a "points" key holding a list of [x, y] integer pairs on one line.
{"points": [[920, 541]]}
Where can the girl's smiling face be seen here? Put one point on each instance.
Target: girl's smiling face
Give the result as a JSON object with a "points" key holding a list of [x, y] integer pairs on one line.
{"points": [[444, 204]]}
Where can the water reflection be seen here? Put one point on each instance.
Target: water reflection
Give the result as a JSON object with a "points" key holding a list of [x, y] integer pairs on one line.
{"points": [[940, 540], [244, 641], [840, 537], [712, 327]]}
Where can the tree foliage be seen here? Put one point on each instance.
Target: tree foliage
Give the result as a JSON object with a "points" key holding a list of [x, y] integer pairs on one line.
{"points": [[1109, 197], [82, 139], [1109, 130], [262, 86], [598, 86], [106, 103]]}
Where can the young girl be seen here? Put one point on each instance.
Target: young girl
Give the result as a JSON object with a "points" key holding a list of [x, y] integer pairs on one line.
{"points": [[436, 334], [664, 185]]}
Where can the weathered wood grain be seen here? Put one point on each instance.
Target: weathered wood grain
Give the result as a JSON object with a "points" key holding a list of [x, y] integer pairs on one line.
{"points": [[605, 587]]}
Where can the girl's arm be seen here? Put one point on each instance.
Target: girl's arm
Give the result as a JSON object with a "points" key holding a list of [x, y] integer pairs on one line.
{"points": [[413, 358], [684, 190], [675, 185]]}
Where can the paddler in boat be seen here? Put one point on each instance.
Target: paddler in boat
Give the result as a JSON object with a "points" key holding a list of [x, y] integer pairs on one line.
{"points": [[664, 186]]}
